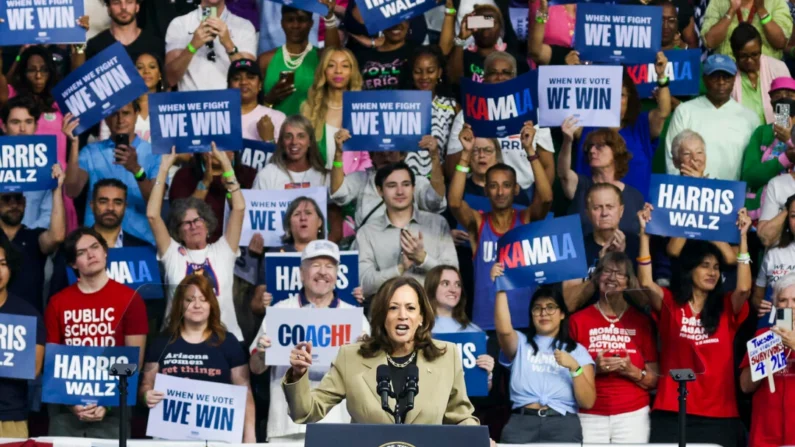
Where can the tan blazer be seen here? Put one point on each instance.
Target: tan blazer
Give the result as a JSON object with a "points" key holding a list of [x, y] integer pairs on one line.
{"points": [[442, 398]]}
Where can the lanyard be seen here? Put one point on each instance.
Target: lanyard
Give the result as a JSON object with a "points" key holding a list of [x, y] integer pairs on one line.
{"points": [[750, 15]]}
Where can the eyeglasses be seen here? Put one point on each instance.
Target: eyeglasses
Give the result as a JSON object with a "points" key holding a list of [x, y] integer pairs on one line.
{"points": [[42, 70], [745, 56], [549, 308], [211, 52], [8, 198], [192, 223], [618, 274], [486, 150]]}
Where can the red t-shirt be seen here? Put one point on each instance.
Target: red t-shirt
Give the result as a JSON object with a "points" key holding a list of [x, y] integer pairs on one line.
{"points": [[102, 318], [771, 420], [685, 344], [631, 336]]}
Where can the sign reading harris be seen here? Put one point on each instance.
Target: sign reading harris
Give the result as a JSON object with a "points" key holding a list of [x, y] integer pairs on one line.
{"points": [[618, 34], [379, 15], [591, 93], [135, 267], [79, 375], [192, 120], [41, 22], [543, 252], [695, 208], [102, 85], [17, 346], [498, 110], [197, 410], [283, 275], [470, 345], [683, 71], [256, 154], [327, 329], [26, 163], [386, 120]]}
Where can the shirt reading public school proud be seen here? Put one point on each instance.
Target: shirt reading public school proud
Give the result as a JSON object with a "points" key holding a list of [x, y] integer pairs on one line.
{"points": [[537, 378], [216, 262], [632, 337], [102, 318], [685, 344], [14, 393], [209, 361]]}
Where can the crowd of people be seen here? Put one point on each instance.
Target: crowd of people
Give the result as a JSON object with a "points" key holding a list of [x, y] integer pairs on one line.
{"points": [[585, 360]]}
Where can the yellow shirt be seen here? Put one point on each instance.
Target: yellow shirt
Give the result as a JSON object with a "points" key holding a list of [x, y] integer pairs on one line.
{"points": [[778, 9]]}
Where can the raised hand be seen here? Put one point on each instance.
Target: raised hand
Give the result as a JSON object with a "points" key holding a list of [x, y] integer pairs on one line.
{"points": [[301, 359], [467, 138]]}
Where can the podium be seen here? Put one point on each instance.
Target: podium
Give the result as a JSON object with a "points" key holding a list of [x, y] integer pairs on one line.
{"points": [[377, 435]]}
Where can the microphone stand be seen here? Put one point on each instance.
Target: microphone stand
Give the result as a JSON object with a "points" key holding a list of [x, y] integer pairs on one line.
{"points": [[682, 376], [123, 371]]}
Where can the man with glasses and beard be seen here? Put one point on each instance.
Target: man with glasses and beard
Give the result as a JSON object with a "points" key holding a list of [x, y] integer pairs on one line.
{"points": [[19, 116]]}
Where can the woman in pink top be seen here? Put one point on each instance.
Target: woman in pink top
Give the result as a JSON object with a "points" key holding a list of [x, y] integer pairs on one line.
{"points": [[550, 26]]}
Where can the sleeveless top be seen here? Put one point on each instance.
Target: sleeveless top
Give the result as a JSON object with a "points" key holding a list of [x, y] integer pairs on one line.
{"points": [[304, 77]]}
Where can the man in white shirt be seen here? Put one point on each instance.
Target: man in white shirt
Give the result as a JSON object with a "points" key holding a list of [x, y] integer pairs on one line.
{"points": [[725, 124], [201, 45]]}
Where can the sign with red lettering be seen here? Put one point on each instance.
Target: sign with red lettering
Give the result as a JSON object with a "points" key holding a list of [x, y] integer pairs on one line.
{"points": [[766, 355], [327, 329]]}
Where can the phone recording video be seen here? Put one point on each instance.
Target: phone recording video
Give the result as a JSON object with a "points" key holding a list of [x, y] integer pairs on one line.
{"points": [[480, 22]]}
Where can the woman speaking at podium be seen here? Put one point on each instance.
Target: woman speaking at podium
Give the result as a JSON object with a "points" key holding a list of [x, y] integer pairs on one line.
{"points": [[401, 321]]}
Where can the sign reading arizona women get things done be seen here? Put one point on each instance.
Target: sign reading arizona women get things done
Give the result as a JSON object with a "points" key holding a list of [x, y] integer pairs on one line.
{"points": [[41, 22], [499, 110]]}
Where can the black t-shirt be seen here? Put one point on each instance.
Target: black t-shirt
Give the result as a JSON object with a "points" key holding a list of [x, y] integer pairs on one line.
{"points": [[633, 202], [206, 361], [28, 281], [14, 392], [592, 249], [399, 376], [145, 43], [381, 69]]}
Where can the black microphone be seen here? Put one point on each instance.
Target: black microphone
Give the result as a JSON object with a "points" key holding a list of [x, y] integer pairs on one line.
{"points": [[412, 387], [384, 388]]}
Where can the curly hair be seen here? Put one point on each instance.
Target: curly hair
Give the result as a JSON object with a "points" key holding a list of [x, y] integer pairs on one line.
{"points": [[316, 105], [432, 280], [22, 85], [612, 138], [214, 325], [177, 213], [379, 340]]}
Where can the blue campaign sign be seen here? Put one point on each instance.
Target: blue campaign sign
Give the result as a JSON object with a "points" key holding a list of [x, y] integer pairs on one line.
{"points": [[102, 85], [386, 120], [598, 2], [283, 275], [256, 154], [543, 252], [695, 208], [499, 110], [591, 93], [470, 345], [34, 22], [135, 267], [313, 6], [618, 34], [26, 163], [379, 15], [192, 120], [79, 375], [683, 72], [18, 349]]}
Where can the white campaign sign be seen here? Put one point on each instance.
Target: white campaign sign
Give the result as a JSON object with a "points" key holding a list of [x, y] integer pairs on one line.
{"points": [[592, 93], [326, 328], [766, 355], [197, 410]]}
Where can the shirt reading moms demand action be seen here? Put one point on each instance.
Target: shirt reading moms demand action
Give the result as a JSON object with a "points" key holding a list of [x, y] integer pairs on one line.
{"points": [[210, 360], [102, 318]]}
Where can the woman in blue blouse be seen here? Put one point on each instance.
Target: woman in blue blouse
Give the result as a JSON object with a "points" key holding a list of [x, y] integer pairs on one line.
{"points": [[551, 374]]}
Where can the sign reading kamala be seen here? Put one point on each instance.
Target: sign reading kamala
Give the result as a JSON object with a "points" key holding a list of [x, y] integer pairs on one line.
{"points": [[683, 71], [499, 110], [379, 15], [26, 163], [618, 33], [192, 120], [470, 345], [386, 120], [695, 208], [135, 267], [326, 328], [256, 154], [79, 375], [283, 275], [592, 93], [543, 252], [197, 410], [101, 86], [17, 346], [41, 22]]}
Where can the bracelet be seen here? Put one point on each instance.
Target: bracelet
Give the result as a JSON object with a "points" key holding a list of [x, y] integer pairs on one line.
{"points": [[743, 257], [491, 376], [643, 258], [233, 52], [577, 373], [19, 57], [372, 42], [644, 262], [228, 174], [663, 82], [450, 11], [464, 169], [140, 173], [337, 164], [542, 17], [766, 19], [80, 49], [332, 22], [728, 16], [532, 158], [459, 42], [192, 49]]}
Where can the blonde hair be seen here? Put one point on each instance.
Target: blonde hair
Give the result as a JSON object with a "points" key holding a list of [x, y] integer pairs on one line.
{"points": [[316, 105]]}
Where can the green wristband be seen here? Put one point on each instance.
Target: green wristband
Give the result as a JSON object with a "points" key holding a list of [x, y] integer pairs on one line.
{"points": [[140, 173], [577, 373], [192, 49], [18, 58], [228, 174], [337, 164], [766, 19]]}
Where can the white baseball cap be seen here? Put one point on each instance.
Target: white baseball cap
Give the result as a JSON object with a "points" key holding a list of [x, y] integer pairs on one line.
{"points": [[321, 247]]}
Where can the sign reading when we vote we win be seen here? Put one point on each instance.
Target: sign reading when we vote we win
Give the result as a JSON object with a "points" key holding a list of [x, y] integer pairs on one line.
{"points": [[41, 22], [135, 267], [192, 120], [101, 86], [695, 208], [618, 33], [327, 329], [683, 71], [499, 110], [283, 275], [591, 93], [470, 345], [386, 120], [18, 346], [379, 15], [26, 163], [197, 410]]}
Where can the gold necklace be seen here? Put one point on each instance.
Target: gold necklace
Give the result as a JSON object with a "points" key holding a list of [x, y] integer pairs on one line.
{"points": [[401, 365]]}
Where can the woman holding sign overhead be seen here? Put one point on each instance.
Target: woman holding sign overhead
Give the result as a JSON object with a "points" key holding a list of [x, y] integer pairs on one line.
{"points": [[697, 321]]}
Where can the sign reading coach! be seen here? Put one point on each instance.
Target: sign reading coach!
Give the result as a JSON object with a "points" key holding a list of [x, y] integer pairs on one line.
{"points": [[683, 71], [26, 163], [283, 275], [591, 93], [41, 22], [470, 345], [543, 252], [17, 346], [327, 330], [101, 86], [79, 375], [386, 120], [378, 15], [618, 33], [498, 110], [192, 120], [135, 267], [695, 208]]}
